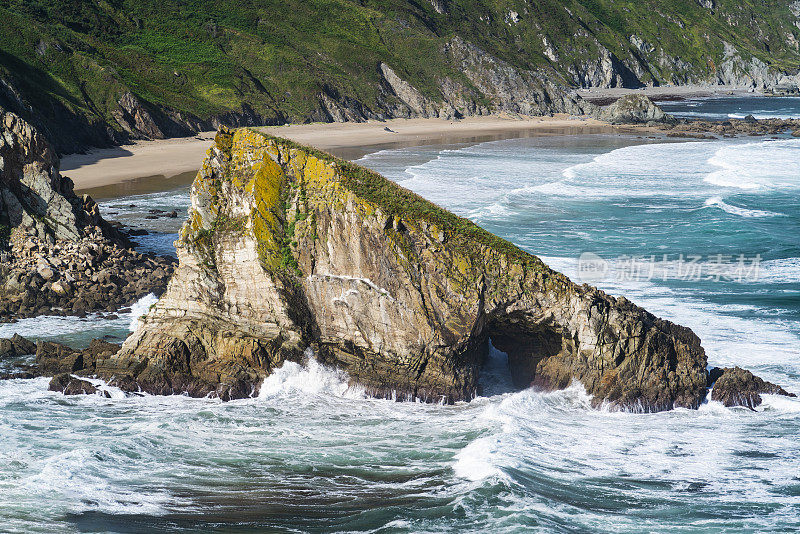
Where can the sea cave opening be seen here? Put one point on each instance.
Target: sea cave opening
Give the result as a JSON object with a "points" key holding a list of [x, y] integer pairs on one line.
{"points": [[513, 352]]}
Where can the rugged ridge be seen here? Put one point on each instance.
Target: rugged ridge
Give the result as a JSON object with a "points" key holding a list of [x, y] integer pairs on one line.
{"points": [[289, 252], [56, 251], [98, 73]]}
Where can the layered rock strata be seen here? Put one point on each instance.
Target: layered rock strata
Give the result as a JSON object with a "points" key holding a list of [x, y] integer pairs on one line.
{"points": [[57, 254], [289, 251]]}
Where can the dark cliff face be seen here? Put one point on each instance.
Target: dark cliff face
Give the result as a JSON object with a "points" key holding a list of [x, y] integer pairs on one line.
{"points": [[289, 253], [100, 73]]}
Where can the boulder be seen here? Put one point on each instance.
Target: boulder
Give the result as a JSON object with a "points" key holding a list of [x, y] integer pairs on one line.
{"points": [[632, 109], [16, 346], [69, 385], [739, 387]]}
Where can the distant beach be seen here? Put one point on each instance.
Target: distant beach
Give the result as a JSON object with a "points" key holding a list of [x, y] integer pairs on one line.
{"points": [[603, 96], [149, 166]]}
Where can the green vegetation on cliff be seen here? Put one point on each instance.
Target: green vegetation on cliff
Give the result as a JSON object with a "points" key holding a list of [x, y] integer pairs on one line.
{"points": [[397, 201], [277, 61]]}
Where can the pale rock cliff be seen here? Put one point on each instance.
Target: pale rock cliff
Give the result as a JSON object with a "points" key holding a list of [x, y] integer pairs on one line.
{"points": [[288, 250]]}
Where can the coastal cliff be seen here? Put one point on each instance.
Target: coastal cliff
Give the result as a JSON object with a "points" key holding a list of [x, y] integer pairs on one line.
{"points": [[289, 252], [57, 254], [100, 73]]}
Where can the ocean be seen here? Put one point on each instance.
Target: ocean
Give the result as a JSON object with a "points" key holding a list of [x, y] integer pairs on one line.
{"points": [[706, 234]]}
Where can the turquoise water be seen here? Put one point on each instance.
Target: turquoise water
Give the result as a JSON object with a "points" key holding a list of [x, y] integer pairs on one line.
{"points": [[312, 455]]}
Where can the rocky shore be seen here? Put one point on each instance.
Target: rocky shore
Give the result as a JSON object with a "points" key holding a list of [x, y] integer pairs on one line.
{"points": [[67, 366], [707, 129], [58, 256]]}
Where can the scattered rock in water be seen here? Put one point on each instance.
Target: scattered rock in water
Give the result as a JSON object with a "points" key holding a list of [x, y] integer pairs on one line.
{"points": [[739, 387], [69, 385], [55, 250]]}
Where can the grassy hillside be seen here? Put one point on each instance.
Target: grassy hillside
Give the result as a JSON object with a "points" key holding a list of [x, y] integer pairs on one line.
{"points": [[72, 61]]}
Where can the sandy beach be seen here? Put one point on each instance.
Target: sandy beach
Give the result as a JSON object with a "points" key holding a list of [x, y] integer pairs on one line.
{"points": [[148, 166]]}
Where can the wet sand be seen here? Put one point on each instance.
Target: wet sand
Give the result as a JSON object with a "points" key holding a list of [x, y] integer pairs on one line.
{"points": [[151, 166]]}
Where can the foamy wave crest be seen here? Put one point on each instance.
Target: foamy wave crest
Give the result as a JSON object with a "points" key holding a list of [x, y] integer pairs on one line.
{"points": [[779, 403], [717, 202], [139, 309], [493, 211], [754, 166], [311, 378], [80, 476], [477, 461]]}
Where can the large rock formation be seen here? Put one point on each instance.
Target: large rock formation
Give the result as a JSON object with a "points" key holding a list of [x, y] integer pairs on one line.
{"points": [[56, 251], [632, 109], [288, 249]]}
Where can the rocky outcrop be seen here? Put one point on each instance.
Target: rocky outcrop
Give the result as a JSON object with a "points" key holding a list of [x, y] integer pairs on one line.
{"points": [[289, 252], [632, 109], [513, 90], [15, 347], [739, 387], [58, 254], [55, 358], [698, 128], [52, 359]]}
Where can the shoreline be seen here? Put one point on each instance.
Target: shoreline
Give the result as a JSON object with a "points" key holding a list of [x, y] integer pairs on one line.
{"points": [[602, 96], [152, 166]]}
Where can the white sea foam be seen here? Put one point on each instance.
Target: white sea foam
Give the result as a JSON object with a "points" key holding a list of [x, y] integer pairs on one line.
{"points": [[756, 166], [75, 476], [311, 378], [717, 202], [477, 461], [140, 308]]}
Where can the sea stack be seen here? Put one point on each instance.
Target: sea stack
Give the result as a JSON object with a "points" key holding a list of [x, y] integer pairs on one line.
{"points": [[289, 251]]}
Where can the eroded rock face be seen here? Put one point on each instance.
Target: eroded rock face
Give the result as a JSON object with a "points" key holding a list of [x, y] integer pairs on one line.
{"points": [[287, 249], [56, 251]]}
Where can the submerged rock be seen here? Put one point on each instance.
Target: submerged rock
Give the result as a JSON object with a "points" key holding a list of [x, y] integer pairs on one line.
{"points": [[69, 385], [739, 387], [288, 249]]}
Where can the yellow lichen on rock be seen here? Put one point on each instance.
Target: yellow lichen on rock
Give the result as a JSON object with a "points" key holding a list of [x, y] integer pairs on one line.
{"points": [[266, 187]]}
